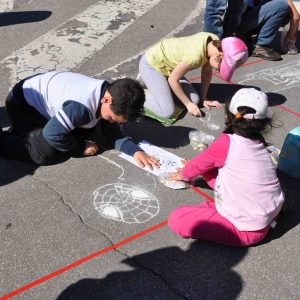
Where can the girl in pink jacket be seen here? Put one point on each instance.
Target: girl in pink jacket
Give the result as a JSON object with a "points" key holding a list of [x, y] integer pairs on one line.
{"points": [[237, 165]]}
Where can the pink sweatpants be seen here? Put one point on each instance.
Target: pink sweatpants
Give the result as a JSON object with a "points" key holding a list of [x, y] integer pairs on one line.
{"points": [[205, 223]]}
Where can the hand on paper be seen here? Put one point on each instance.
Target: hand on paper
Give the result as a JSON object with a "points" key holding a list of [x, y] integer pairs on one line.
{"points": [[177, 175], [145, 160]]}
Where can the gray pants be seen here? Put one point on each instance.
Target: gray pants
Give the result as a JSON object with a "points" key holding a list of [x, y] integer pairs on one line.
{"points": [[159, 98]]}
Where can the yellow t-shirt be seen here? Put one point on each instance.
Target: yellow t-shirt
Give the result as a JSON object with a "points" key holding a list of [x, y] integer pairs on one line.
{"points": [[165, 55]]}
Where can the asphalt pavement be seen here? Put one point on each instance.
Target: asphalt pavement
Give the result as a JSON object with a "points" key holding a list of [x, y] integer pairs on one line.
{"points": [[60, 237]]}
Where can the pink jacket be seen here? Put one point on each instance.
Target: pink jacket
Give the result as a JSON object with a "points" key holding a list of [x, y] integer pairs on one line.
{"points": [[247, 190]]}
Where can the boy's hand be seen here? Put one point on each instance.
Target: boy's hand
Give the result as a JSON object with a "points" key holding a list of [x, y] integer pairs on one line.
{"points": [[91, 149], [211, 103], [193, 109], [145, 160]]}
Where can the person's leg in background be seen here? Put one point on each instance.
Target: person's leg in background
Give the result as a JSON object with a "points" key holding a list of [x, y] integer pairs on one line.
{"points": [[23, 117], [268, 18], [232, 19], [214, 16], [289, 36], [31, 148], [24, 140]]}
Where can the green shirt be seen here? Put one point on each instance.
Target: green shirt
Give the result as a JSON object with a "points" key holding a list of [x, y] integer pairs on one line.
{"points": [[165, 55]]}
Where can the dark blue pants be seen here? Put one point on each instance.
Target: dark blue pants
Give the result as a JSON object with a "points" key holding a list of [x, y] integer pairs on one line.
{"points": [[25, 141]]}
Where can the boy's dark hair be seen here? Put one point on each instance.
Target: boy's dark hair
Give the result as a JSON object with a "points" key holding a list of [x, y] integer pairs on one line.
{"points": [[252, 129], [128, 98]]}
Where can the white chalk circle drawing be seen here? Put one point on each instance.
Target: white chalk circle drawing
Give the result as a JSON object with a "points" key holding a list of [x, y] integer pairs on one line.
{"points": [[207, 122], [282, 77], [123, 202]]}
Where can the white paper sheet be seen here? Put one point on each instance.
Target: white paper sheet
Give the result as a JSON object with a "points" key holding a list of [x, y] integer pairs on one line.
{"points": [[169, 161]]}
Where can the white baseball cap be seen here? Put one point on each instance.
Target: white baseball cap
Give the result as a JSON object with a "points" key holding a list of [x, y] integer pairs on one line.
{"points": [[252, 98]]}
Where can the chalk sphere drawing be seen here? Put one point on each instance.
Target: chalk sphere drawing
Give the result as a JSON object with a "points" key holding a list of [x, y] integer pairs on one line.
{"points": [[281, 78], [125, 203]]}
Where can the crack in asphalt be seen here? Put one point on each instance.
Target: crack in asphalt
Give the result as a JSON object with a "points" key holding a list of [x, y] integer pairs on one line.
{"points": [[66, 204]]}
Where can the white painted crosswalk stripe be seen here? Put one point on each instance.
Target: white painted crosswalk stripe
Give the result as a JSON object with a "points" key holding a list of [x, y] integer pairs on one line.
{"points": [[70, 44], [6, 5], [115, 70]]}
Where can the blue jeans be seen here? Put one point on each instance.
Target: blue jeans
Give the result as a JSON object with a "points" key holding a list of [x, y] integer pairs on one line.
{"points": [[223, 17], [214, 16], [266, 18]]}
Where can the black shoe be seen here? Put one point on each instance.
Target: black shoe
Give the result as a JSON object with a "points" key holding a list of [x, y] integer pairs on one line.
{"points": [[266, 53]]}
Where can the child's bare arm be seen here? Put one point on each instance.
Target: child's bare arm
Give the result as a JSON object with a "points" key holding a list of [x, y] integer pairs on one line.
{"points": [[180, 70], [294, 23], [206, 75]]}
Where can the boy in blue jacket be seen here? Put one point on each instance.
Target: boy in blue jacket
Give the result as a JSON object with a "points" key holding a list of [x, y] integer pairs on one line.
{"points": [[57, 114]]}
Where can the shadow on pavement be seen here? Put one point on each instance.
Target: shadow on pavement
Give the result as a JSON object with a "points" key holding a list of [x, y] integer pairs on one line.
{"points": [[157, 134], [11, 170], [276, 99], [224, 92], [204, 271], [290, 219], [12, 18]]}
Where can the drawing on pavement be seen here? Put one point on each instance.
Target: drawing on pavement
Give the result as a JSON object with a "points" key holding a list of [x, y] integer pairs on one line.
{"points": [[123, 202], [206, 121], [281, 78]]}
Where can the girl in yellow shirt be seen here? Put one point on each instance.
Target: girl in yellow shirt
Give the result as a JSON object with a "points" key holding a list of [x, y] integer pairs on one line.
{"points": [[163, 67]]}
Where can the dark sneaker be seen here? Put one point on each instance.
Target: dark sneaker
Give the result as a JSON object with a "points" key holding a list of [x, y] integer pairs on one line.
{"points": [[266, 53]]}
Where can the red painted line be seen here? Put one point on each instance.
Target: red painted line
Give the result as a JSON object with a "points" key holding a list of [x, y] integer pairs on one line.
{"points": [[220, 77], [279, 106], [203, 194], [194, 78], [123, 242], [252, 62], [80, 261], [288, 110], [92, 256], [243, 65], [199, 77]]}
